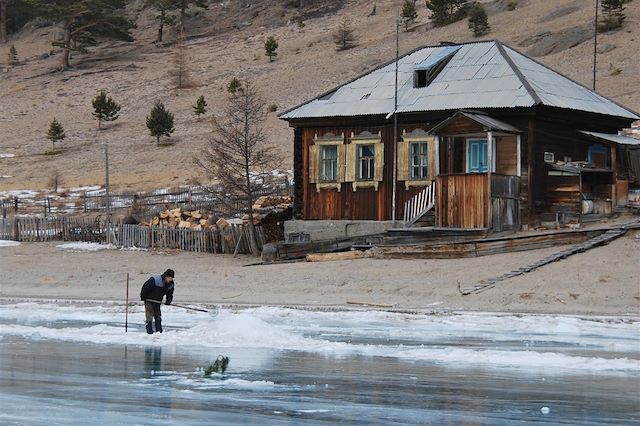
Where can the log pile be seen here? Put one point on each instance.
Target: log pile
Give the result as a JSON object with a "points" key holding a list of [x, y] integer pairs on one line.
{"points": [[270, 212], [270, 208], [177, 218]]}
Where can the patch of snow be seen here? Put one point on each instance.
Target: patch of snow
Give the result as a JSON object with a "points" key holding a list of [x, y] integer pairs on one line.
{"points": [[82, 246], [8, 243], [7, 155], [20, 193]]}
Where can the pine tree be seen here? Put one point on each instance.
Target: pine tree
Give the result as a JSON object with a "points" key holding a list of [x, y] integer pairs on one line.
{"points": [[234, 85], [200, 107], [613, 11], [183, 5], [3, 21], [444, 12], [84, 22], [409, 13], [270, 47], [104, 108], [344, 37], [163, 17], [478, 21], [55, 132], [160, 122], [13, 55]]}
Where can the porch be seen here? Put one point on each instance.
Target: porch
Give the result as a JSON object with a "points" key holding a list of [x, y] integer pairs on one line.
{"points": [[477, 182]]}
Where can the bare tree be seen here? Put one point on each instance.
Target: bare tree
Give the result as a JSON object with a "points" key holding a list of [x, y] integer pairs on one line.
{"points": [[180, 71], [238, 157], [344, 37], [55, 180]]}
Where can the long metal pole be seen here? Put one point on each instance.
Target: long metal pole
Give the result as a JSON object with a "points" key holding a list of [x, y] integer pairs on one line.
{"points": [[126, 309], [395, 128], [595, 46]]}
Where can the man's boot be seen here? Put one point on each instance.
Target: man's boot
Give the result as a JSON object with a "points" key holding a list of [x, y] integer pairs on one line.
{"points": [[149, 328], [158, 325]]}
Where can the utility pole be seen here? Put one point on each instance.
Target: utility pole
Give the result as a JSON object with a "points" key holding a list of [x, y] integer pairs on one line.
{"points": [[595, 45], [395, 127]]}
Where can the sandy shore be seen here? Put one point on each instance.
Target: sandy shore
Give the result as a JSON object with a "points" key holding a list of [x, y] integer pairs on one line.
{"points": [[603, 281]]}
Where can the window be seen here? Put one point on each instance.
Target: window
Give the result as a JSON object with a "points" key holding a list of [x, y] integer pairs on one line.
{"points": [[366, 162], [427, 71], [597, 156], [328, 163], [477, 156], [419, 160]]}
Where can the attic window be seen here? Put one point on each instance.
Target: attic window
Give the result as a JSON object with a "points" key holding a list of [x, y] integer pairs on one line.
{"points": [[426, 71]]}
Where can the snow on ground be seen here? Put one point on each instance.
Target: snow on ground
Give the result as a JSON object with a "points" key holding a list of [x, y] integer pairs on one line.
{"points": [[527, 343], [82, 246], [7, 155], [8, 243]]}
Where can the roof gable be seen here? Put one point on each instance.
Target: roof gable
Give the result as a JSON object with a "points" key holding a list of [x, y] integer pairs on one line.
{"points": [[478, 75]]}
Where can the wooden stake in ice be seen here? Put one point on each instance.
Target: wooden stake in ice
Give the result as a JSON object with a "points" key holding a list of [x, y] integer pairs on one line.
{"points": [[126, 309]]}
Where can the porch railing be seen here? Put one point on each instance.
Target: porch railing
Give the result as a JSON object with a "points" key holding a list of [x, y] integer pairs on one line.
{"points": [[419, 205]]}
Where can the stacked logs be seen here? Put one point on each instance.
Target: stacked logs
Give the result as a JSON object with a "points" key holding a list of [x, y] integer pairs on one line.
{"points": [[270, 208], [177, 218]]}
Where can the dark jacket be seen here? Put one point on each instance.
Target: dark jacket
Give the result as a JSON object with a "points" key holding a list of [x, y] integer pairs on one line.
{"points": [[155, 288]]}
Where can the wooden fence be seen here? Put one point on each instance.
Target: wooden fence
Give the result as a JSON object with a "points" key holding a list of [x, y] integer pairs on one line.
{"points": [[230, 240], [462, 201], [63, 228], [505, 203]]}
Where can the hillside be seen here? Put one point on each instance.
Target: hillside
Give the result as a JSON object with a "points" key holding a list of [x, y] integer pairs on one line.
{"points": [[226, 41]]}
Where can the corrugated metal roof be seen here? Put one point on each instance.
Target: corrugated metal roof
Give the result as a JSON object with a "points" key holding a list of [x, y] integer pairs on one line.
{"points": [[486, 121], [479, 75], [621, 139]]}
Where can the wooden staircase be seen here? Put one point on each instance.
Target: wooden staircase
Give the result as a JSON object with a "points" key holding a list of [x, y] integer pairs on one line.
{"points": [[419, 205]]}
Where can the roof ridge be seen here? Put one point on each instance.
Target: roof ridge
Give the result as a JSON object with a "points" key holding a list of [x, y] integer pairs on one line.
{"points": [[518, 73]]}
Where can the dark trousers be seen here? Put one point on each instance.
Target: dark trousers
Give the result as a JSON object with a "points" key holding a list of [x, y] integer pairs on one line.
{"points": [[151, 312]]}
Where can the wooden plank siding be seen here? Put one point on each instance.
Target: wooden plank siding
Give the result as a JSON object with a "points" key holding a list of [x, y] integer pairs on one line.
{"points": [[472, 190], [364, 203], [543, 128]]}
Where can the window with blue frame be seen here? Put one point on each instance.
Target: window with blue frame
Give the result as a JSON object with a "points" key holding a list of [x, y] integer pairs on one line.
{"points": [[597, 156], [477, 156]]}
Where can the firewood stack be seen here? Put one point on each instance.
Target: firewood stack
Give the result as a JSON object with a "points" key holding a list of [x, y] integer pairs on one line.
{"points": [[270, 209], [177, 218]]}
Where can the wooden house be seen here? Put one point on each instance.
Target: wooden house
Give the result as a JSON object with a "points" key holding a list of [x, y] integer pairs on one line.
{"points": [[452, 99]]}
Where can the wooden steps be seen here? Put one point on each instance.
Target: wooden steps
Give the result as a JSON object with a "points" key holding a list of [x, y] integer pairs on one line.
{"points": [[602, 239]]}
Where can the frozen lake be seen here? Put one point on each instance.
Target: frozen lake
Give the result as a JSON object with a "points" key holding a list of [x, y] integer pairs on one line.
{"points": [[65, 364]]}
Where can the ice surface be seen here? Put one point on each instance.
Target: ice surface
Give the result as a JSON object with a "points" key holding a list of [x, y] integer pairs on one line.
{"points": [[64, 361], [524, 342]]}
